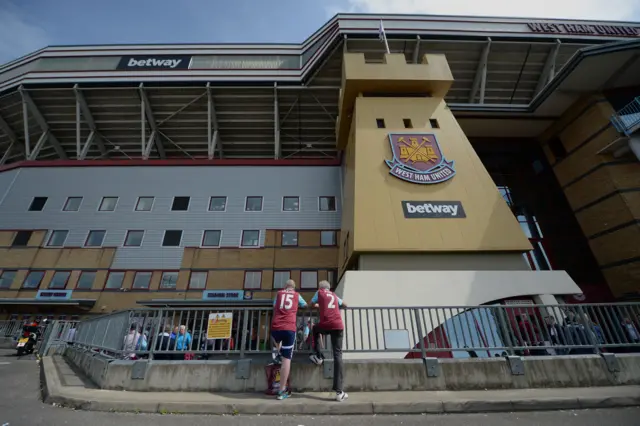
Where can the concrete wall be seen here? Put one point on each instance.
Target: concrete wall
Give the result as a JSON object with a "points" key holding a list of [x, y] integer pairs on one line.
{"points": [[381, 375], [602, 190]]}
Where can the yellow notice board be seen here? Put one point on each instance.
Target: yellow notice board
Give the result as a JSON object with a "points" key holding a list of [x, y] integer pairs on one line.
{"points": [[219, 326]]}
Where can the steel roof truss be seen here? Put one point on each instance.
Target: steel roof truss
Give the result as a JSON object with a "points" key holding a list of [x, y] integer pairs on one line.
{"points": [[480, 80], [7, 153], [416, 50], [549, 70], [213, 133], [30, 106], [147, 115], [36, 149], [83, 111]]}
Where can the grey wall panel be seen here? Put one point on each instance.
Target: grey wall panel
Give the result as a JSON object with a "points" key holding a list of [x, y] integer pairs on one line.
{"points": [[200, 183], [6, 181]]}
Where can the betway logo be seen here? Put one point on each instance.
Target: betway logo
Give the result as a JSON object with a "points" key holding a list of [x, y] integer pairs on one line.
{"points": [[155, 62], [152, 62], [433, 209]]}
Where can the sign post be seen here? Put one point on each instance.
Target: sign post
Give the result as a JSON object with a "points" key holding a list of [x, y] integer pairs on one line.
{"points": [[219, 326]]}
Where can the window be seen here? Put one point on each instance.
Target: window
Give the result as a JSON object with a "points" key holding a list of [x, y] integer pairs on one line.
{"points": [[328, 238], [172, 239], [95, 238], [142, 280], [434, 123], [6, 278], [86, 280], [144, 204], [180, 204], [72, 204], [217, 204], [309, 279], [280, 278], [33, 279], [108, 204], [253, 280], [253, 204], [169, 280], [57, 238], [327, 204], [21, 239], [198, 280], [211, 238], [114, 281], [59, 279], [291, 204], [407, 123], [289, 238], [380, 123], [37, 205], [133, 238], [250, 239]]}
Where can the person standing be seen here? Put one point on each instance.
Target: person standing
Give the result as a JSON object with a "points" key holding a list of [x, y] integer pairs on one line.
{"points": [[283, 330], [330, 323]]}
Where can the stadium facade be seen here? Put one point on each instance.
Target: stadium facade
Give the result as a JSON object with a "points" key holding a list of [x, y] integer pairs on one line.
{"points": [[480, 160]]}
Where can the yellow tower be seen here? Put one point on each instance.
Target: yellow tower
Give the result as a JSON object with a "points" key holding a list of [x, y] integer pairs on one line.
{"points": [[416, 195]]}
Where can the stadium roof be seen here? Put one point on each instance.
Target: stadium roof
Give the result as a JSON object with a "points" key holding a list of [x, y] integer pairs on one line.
{"points": [[281, 100]]}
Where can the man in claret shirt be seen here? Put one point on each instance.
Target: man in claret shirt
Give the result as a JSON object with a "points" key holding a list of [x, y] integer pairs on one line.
{"points": [[283, 329], [330, 323]]}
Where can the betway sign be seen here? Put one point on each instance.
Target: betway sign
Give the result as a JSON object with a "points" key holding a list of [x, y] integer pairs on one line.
{"points": [[584, 29], [433, 209], [160, 62]]}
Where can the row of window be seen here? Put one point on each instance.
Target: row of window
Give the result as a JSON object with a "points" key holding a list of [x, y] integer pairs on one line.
{"points": [[142, 280], [216, 204], [171, 238]]}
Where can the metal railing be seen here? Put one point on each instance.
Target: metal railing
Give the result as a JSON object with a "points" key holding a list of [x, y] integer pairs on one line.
{"points": [[627, 119], [9, 328], [400, 332], [57, 336]]}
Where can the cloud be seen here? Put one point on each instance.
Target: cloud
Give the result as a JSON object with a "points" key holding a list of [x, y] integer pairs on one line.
{"points": [[17, 35], [573, 9]]}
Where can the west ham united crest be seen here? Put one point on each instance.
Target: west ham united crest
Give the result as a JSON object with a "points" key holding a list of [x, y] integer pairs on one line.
{"points": [[417, 158]]}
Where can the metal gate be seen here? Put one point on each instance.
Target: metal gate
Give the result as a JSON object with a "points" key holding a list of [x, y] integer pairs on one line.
{"points": [[57, 336]]}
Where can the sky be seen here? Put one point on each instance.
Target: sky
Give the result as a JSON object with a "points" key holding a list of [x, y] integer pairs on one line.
{"points": [[28, 25]]}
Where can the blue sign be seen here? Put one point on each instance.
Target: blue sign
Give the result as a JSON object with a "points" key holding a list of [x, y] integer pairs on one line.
{"points": [[226, 295], [54, 294]]}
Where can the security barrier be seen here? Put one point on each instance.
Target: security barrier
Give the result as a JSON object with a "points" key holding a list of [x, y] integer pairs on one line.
{"points": [[375, 332]]}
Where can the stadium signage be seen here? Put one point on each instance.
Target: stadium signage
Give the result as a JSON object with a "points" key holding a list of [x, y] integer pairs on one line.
{"points": [[54, 294], [417, 158], [583, 29], [161, 62], [433, 210]]}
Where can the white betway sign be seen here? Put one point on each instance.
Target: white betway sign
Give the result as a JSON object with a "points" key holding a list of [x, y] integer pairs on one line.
{"points": [[161, 62], [433, 209]]}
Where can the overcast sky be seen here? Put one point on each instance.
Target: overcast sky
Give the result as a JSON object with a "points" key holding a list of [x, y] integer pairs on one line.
{"points": [[28, 25]]}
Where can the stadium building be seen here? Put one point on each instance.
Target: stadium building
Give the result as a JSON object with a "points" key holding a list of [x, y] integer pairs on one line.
{"points": [[477, 160]]}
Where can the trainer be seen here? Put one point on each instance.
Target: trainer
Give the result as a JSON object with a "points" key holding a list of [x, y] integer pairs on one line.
{"points": [[330, 323]]}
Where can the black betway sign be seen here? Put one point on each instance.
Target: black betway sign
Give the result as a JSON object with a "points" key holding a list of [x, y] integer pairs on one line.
{"points": [[154, 62], [584, 29], [433, 209]]}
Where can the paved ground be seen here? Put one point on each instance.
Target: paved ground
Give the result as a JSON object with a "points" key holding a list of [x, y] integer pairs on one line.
{"points": [[20, 405]]}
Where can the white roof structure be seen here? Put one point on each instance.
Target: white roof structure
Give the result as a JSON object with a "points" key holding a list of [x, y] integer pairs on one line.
{"points": [[281, 100]]}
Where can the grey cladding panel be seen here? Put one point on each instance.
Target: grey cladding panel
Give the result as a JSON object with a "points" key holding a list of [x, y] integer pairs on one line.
{"points": [[163, 183]]}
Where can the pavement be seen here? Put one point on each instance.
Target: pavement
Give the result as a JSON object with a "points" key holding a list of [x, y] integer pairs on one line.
{"points": [[20, 404]]}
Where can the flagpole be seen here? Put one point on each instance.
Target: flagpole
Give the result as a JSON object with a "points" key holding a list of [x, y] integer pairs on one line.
{"points": [[383, 37]]}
